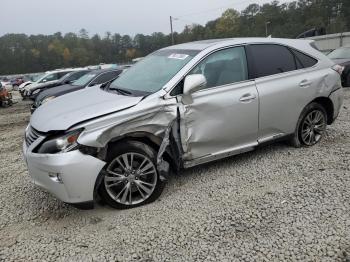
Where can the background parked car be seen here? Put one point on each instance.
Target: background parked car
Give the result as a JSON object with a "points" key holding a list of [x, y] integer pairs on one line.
{"points": [[341, 56], [5, 97], [92, 78], [66, 79], [47, 77], [31, 78], [6, 83], [16, 82]]}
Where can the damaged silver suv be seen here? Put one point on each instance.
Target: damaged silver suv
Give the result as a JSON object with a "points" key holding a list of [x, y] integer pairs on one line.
{"points": [[180, 107]]}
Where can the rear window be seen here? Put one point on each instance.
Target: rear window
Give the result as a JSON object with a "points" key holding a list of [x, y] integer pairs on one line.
{"points": [[304, 61]]}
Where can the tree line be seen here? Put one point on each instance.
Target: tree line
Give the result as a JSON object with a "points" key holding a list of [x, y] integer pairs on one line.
{"points": [[20, 53]]}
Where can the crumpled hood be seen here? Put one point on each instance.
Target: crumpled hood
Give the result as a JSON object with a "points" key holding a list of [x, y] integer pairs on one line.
{"points": [[38, 85], [68, 110], [34, 86], [23, 85]]}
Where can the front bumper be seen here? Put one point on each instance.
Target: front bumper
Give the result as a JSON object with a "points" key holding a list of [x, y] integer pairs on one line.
{"points": [[77, 174]]}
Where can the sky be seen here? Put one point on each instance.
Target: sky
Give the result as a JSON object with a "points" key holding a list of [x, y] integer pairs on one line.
{"points": [[116, 16]]}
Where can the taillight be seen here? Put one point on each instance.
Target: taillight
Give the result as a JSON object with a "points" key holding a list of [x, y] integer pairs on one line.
{"points": [[338, 68]]}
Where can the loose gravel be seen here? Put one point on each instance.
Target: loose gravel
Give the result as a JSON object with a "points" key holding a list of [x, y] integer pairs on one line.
{"points": [[277, 203]]}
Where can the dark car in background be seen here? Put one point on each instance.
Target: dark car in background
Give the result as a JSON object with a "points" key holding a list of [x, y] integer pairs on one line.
{"points": [[341, 56], [95, 77], [66, 79]]}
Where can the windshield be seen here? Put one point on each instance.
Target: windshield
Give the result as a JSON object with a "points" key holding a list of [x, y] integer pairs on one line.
{"points": [[47, 78], [84, 80], [341, 53], [35, 78], [153, 72], [66, 76]]}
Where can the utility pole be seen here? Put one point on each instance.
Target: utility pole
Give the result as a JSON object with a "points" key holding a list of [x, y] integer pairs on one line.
{"points": [[266, 24], [171, 28]]}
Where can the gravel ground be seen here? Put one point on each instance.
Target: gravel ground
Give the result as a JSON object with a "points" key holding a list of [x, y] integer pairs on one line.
{"points": [[274, 204]]}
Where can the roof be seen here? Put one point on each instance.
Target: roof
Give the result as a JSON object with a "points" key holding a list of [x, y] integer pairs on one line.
{"points": [[99, 71], [203, 44]]}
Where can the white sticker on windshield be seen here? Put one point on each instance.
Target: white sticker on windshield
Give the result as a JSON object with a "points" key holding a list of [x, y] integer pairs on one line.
{"points": [[178, 56]]}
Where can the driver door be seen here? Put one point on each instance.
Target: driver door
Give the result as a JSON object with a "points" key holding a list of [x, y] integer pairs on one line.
{"points": [[222, 120]]}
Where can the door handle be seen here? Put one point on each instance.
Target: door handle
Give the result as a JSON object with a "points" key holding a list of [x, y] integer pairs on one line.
{"points": [[305, 83], [247, 97]]}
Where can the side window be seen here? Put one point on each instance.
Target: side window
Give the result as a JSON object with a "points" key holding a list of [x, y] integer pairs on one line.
{"points": [[117, 73], [77, 75], [61, 74], [224, 67], [104, 78], [304, 61], [50, 77], [271, 59]]}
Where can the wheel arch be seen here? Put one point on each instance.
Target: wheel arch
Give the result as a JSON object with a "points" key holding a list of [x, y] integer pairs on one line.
{"points": [[327, 104], [147, 138], [140, 136]]}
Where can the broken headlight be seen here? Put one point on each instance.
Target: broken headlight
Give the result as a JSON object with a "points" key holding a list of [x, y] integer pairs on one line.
{"points": [[61, 144]]}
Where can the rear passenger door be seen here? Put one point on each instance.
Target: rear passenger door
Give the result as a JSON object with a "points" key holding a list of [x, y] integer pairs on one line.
{"points": [[284, 78]]}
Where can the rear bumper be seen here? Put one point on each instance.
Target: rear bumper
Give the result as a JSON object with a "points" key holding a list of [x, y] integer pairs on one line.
{"points": [[70, 176], [337, 99]]}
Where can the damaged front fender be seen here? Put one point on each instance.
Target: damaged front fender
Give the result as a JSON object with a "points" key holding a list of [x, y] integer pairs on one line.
{"points": [[156, 116]]}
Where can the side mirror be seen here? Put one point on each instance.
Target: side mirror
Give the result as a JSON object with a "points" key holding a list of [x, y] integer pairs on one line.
{"points": [[192, 84]]}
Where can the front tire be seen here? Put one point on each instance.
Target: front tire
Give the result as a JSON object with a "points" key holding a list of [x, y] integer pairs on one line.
{"points": [[130, 178], [311, 126]]}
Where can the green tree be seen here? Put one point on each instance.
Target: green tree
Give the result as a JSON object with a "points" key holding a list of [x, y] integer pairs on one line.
{"points": [[228, 24]]}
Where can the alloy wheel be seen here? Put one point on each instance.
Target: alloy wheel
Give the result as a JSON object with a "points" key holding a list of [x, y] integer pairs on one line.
{"points": [[131, 178], [313, 127]]}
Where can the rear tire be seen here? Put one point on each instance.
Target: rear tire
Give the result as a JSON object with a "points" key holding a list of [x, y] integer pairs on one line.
{"points": [[130, 178], [311, 126]]}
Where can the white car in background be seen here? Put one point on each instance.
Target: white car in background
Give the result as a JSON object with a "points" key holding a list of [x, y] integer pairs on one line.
{"points": [[47, 77], [33, 79]]}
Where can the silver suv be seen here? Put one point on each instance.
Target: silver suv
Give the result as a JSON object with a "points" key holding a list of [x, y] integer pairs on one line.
{"points": [[180, 107]]}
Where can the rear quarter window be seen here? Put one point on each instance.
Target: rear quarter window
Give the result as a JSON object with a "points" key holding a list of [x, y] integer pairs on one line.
{"points": [[304, 60]]}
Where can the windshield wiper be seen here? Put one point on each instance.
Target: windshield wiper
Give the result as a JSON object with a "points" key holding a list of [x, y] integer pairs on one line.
{"points": [[122, 91]]}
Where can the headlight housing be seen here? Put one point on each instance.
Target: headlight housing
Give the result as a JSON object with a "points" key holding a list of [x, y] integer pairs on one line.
{"points": [[47, 99], [61, 144]]}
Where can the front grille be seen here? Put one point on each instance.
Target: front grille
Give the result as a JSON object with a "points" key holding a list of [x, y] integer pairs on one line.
{"points": [[31, 136]]}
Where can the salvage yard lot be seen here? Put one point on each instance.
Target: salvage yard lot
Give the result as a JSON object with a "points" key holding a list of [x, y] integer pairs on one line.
{"points": [[276, 203]]}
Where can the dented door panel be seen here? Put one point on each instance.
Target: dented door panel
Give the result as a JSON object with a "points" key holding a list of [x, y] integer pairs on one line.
{"points": [[219, 120]]}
